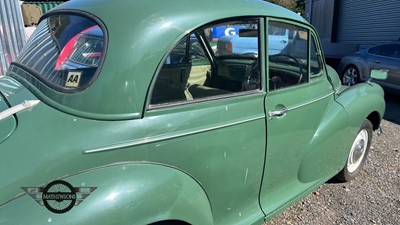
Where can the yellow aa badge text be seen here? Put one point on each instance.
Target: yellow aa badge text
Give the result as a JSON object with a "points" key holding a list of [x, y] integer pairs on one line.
{"points": [[73, 79]]}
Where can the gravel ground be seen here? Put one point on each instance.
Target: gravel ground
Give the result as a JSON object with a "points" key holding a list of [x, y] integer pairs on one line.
{"points": [[372, 198]]}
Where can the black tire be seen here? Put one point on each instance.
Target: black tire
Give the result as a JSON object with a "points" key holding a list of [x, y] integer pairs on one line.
{"points": [[358, 153], [350, 76]]}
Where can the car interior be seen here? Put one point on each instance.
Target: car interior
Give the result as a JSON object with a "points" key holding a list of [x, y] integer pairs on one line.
{"points": [[194, 69]]}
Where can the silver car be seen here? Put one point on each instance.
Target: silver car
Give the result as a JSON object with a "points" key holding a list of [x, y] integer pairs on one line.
{"points": [[356, 68]]}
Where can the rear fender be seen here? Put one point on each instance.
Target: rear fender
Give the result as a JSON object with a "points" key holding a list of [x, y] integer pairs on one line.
{"points": [[131, 193]]}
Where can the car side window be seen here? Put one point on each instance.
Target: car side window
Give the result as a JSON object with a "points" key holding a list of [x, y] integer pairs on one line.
{"points": [[375, 50], [397, 51], [288, 56], [186, 65], [213, 61], [390, 50], [315, 58], [387, 50]]}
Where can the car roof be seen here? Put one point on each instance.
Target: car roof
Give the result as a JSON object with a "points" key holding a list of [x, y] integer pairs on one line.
{"points": [[202, 10], [140, 33]]}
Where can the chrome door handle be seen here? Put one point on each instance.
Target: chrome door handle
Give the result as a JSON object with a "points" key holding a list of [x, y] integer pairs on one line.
{"points": [[377, 61], [283, 42], [278, 113]]}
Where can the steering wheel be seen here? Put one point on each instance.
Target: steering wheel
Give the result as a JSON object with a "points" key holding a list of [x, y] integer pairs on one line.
{"points": [[253, 55], [253, 77], [296, 61]]}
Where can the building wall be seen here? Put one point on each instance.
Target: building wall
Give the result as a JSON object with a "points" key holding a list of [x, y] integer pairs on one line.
{"points": [[346, 26], [322, 18], [368, 22]]}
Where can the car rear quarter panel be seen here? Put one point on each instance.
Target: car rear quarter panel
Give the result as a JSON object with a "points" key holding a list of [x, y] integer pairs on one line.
{"points": [[127, 193]]}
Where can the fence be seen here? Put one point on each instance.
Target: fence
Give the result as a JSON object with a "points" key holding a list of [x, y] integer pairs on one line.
{"points": [[12, 33], [45, 5]]}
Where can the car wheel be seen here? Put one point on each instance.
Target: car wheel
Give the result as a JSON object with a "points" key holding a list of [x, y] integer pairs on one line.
{"points": [[351, 76], [358, 153]]}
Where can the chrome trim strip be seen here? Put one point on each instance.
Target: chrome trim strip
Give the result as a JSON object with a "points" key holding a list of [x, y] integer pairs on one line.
{"points": [[310, 102], [166, 137], [18, 108], [215, 97]]}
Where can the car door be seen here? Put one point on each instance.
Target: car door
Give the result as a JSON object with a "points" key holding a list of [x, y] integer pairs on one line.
{"points": [[211, 124], [387, 57], [299, 137]]}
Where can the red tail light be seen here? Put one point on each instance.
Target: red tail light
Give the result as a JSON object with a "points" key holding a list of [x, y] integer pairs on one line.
{"points": [[69, 47]]}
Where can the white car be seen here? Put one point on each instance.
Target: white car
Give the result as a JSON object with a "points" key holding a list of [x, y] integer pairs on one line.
{"points": [[246, 41]]}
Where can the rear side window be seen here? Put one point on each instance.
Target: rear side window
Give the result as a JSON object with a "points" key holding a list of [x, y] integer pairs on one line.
{"points": [[65, 52]]}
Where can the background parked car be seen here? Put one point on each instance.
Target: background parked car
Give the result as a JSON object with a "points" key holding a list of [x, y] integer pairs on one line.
{"points": [[245, 41], [356, 68]]}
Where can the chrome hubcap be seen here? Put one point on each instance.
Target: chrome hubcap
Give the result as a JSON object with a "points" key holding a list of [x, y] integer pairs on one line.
{"points": [[350, 76], [357, 151]]}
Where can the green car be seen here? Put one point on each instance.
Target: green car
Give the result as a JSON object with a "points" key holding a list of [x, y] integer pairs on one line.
{"points": [[126, 112]]}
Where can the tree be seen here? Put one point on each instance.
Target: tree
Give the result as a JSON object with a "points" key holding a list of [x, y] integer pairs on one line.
{"points": [[297, 6], [301, 6]]}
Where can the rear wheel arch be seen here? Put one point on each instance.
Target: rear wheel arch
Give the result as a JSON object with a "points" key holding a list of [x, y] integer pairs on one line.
{"points": [[165, 195], [171, 222], [125, 193], [350, 65], [356, 71]]}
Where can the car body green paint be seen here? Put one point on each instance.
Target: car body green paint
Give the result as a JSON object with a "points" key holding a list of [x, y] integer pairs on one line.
{"points": [[139, 191], [218, 161]]}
